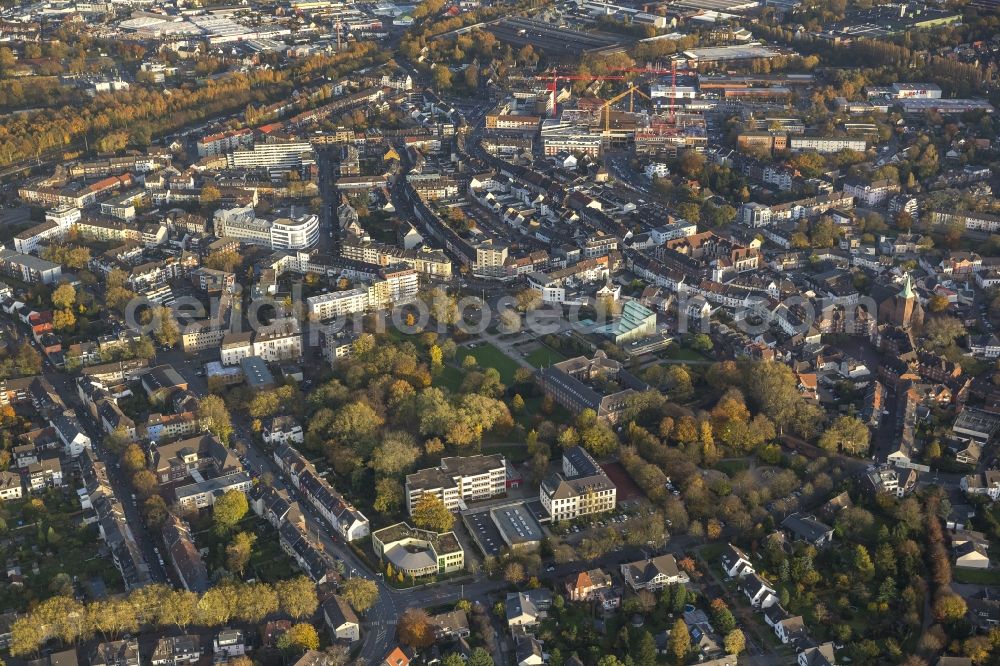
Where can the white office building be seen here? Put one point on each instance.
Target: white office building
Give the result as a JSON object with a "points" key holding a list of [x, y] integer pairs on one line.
{"points": [[282, 156], [283, 233], [337, 304]]}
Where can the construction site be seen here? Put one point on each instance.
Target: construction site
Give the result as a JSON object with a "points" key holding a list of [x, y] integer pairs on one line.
{"points": [[595, 121]]}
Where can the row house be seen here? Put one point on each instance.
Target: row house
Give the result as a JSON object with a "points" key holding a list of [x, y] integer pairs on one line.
{"points": [[340, 514]]}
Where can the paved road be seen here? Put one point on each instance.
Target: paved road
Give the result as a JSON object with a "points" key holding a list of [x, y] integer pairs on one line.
{"points": [[380, 620], [66, 390]]}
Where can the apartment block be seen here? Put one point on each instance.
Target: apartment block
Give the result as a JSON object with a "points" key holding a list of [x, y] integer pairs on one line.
{"points": [[458, 480]]}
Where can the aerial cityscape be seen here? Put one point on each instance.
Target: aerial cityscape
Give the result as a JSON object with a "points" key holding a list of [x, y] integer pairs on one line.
{"points": [[499, 332]]}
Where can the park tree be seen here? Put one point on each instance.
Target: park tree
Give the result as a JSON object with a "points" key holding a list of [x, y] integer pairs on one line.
{"points": [[514, 573], [480, 657], [691, 164], [735, 642], [145, 484], [415, 629], [154, 510], [238, 552], [167, 332], [264, 404], [773, 389], [64, 296], [63, 320], [388, 495], [942, 331], [397, 453], [178, 608], [229, 510], [722, 617], [949, 607], [360, 593], [848, 434], [297, 596], [147, 602], [256, 601], [430, 513], [442, 78], [644, 650], [25, 637], [299, 638], [133, 459], [863, 562], [680, 641], [937, 303], [218, 605], [355, 422], [213, 414], [471, 76]]}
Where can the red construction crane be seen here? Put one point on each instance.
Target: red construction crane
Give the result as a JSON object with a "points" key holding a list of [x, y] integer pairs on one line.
{"points": [[652, 70], [659, 70], [555, 77]]}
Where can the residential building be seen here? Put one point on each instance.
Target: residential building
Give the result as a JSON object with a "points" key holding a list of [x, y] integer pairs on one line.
{"points": [[819, 655], [982, 483], [593, 586], [450, 626], [735, 562], [806, 528], [337, 511], [202, 494], [10, 486], [396, 657], [116, 653], [194, 457], [306, 550], [28, 268], [281, 233], [30, 240], [236, 346], [653, 574], [225, 142], [338, 303], [759, 592], [282, 430], [281, 340], [275, 156], [826, 144], [969, 550], [185, 559], [896, 481], [176, 650], [526, 609], [870, 193], [528, 650], [228, 644], [46, 473], [341, 620], [490, 259], [790, 629]]}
